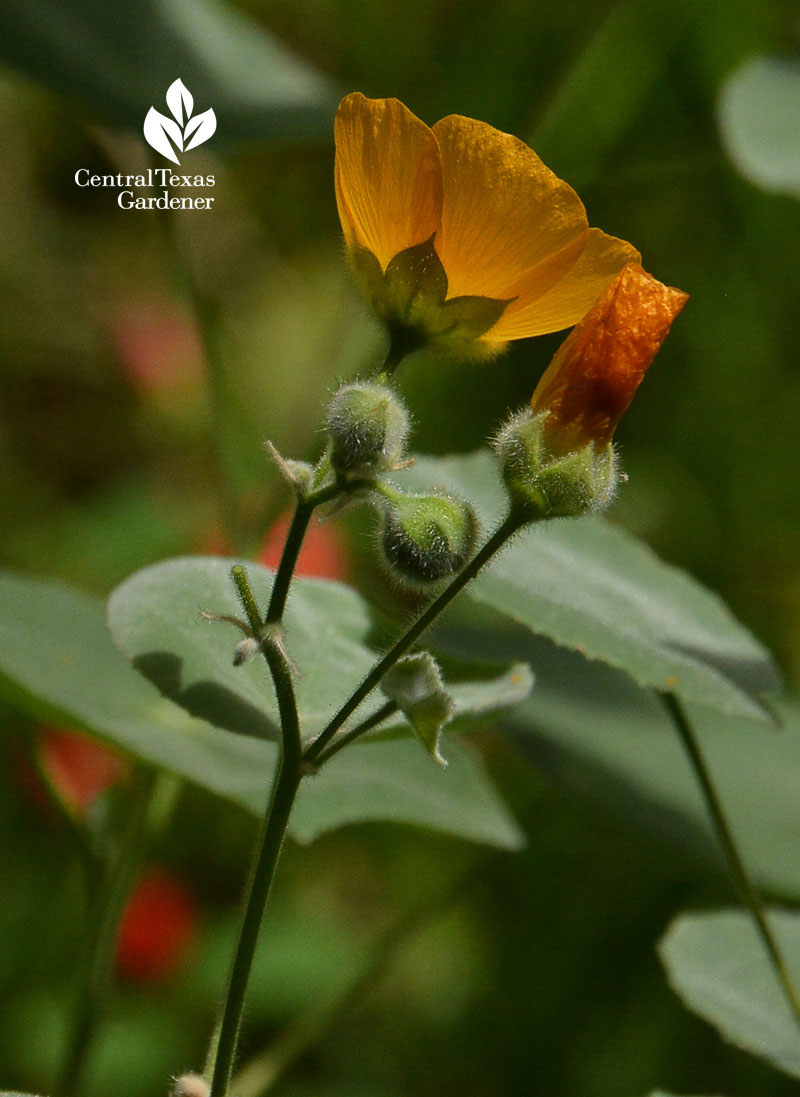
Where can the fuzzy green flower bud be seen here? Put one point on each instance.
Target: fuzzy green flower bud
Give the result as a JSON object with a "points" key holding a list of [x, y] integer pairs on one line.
{"points": [[368, 427], [544, 484], [426, 538]]}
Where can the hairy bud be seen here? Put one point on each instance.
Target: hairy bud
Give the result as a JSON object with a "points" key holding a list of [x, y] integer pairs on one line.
{"points": [[544, 484], [426, 538], [368, 427]]}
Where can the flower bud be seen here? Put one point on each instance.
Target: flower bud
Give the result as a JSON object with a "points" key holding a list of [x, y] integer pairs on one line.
{"points": [[557, 457], [547, 485], [426, 538], [368, 427]]}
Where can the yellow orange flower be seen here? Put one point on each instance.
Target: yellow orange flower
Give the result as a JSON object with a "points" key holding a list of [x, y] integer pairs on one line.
{"points": [[460, 235], [592, 379]]}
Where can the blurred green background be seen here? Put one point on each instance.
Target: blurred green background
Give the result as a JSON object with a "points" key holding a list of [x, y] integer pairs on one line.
{"points": [[517, 974]]}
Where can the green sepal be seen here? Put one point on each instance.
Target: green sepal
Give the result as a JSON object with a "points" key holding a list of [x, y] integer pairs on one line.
{"points": [[415, 684], [411, 299]]}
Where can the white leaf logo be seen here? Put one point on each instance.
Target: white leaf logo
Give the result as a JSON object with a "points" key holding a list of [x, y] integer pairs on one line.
{"points": [[178, 97], [165, 135], [202, 126]]}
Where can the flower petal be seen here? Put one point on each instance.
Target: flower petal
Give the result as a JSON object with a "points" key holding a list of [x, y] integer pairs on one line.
{"points": [[504, 213], [594, 374], [569, 300], [388, 176]]}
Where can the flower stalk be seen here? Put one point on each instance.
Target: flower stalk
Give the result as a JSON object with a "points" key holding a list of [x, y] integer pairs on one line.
{"points": [[736, 864], [268, 849]]}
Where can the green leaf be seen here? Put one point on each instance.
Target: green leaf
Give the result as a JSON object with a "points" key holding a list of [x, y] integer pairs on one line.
{"points": [[155, 618], [57, 661], [596, 589], [718, 965], [759, 121], [612, 745], [476, 698], [121, 58], [395, 780]]}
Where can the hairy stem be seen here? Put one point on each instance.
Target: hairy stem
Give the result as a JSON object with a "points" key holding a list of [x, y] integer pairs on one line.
{"points": [[273, 831], [291, 549], [735, 863], [293, 761], [398, 350], [383, 713]]}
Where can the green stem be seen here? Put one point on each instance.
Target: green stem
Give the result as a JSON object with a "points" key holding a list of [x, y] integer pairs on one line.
{"points": [[289, 558], [291, 551], [735, 863], [294, 542], [506, 530], [273, 831], [383, 713], [398, 350], [292, 760], [247, 598], [108, 907]]}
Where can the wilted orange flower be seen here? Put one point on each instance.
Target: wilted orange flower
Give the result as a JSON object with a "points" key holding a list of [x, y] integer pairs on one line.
{"points": [[459, 235], [595, 372]]}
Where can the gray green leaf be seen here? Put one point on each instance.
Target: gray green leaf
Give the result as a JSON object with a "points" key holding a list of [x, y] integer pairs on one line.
{"points": [[594, 588], [57, 661], [394, 780], [155, 618], [718, 965], [611, 744]]}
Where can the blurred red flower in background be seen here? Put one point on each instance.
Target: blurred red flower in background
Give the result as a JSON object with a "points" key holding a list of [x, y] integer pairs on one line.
{"points": [[324, 553], [157, 928], [157, 346], [77, 768]]}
